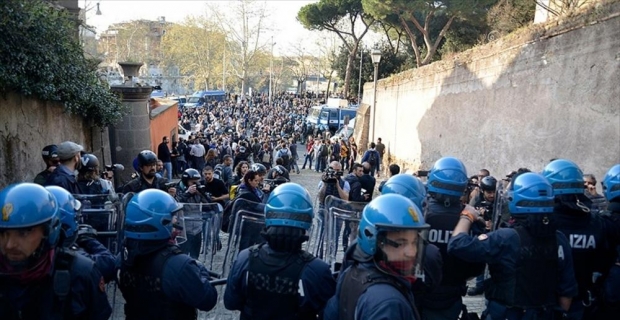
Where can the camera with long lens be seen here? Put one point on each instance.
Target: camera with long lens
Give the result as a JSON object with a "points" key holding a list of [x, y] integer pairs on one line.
{"points": [[203, 190], [332, 175]]}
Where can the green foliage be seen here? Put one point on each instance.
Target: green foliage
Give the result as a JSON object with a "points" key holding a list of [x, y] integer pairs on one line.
{"points": [[391, 63], [427, 22], [41, 57]]}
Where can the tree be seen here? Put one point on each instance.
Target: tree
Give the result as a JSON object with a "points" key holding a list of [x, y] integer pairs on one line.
{"points": [[415, 17], [390, 63], [243, 23], [509, 15], [196, 47], [561, 7], [42, 58], [341, 17]]}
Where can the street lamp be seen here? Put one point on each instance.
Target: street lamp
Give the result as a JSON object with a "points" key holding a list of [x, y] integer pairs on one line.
{"points": [[98, 13], [271, 72], [375, 54]]}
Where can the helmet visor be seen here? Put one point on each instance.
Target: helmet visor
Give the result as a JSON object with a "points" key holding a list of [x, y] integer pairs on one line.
{"points": [[401, 252]]}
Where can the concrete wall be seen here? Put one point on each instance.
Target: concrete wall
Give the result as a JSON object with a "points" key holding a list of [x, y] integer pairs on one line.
{"points": [[26, 126], [549, 92]]}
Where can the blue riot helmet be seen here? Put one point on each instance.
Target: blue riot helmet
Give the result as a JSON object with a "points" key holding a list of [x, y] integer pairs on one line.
{"points": [[408, 186], [384, 233], [153, 214], [530, 193], [448, 176], [69, 214], [27, 205], [611, 183], [289, 205], [565, 177]]}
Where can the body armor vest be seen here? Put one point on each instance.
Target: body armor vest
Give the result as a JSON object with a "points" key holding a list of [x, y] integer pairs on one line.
{"points": [[274, 280], [586, 238], [332, 190], [357, 280], [143, 290], [531, 285]]}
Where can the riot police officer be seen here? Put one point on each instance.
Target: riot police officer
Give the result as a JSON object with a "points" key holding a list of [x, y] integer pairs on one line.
{"points": [[391, 246], [39, 280], [81, 238], [611, 287], [447, 181], [157, 280], [147, 162], [591, 236], [412, 188], [530, 263], [50, 157], [188, 192], [279, 272]]}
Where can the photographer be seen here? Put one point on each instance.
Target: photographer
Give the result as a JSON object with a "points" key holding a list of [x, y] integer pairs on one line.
{"points": [[332, 184], [188, 192]]}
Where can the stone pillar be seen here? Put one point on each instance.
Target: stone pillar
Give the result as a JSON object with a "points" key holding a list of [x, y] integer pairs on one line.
{"points": [[132, 134]]}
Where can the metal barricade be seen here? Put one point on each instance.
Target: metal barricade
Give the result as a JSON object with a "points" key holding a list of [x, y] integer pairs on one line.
{"points": [[342, 215], [204, 219], [247, 220]]}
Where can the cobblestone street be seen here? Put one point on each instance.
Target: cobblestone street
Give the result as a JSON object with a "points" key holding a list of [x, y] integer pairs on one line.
{"points": [[309, 179]]}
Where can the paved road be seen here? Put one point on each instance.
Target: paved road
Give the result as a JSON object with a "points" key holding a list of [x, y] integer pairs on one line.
{"points": [[309, 179]]}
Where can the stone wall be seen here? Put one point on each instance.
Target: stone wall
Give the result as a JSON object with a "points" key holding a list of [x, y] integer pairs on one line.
{"points": [[548, 92], [26, 126]]}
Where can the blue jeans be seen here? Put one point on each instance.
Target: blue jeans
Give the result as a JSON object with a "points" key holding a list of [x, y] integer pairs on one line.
{"points": [[307, 159], [320, 163], [168, 166]]}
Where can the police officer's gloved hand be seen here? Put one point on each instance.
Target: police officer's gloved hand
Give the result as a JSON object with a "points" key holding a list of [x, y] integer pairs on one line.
{"points": [[85, 234]]}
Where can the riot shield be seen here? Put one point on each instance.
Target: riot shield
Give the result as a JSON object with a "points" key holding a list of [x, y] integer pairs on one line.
{"points": [[104, 216], [500, 210], [247, 221], [342, 219], [316, 235], [200, 219]]}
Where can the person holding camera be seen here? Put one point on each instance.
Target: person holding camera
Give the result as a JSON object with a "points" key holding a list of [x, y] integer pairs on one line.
{"points": [[332, 184], [191, 192]]}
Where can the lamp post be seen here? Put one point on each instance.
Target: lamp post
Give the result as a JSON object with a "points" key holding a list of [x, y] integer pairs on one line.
{"points": [[359, 85], [271, 72], [376, 58]]}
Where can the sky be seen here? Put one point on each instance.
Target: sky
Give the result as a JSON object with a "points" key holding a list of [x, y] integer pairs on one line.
{"points": [[287, 31]]}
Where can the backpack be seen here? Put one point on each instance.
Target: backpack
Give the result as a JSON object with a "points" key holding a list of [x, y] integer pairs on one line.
{"points": [[372, 157], [285, 157], [217, 172]]}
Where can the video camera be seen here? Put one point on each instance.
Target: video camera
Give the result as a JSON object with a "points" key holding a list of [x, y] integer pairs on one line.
{"points": [[488, 209], [111, 167], [203, 190], [333, 175]]}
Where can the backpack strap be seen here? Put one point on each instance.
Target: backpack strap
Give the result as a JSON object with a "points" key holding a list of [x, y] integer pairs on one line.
{"points": [[61, 282]]}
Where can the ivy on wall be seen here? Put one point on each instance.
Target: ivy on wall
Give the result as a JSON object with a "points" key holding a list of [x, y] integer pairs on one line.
{"points": [[40, 56]]}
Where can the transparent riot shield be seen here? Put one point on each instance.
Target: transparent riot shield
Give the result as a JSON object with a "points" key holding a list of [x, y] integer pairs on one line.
{"points": [[211, 217], [316, 235], [247, 220], [105, 216], [342, 221]]}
